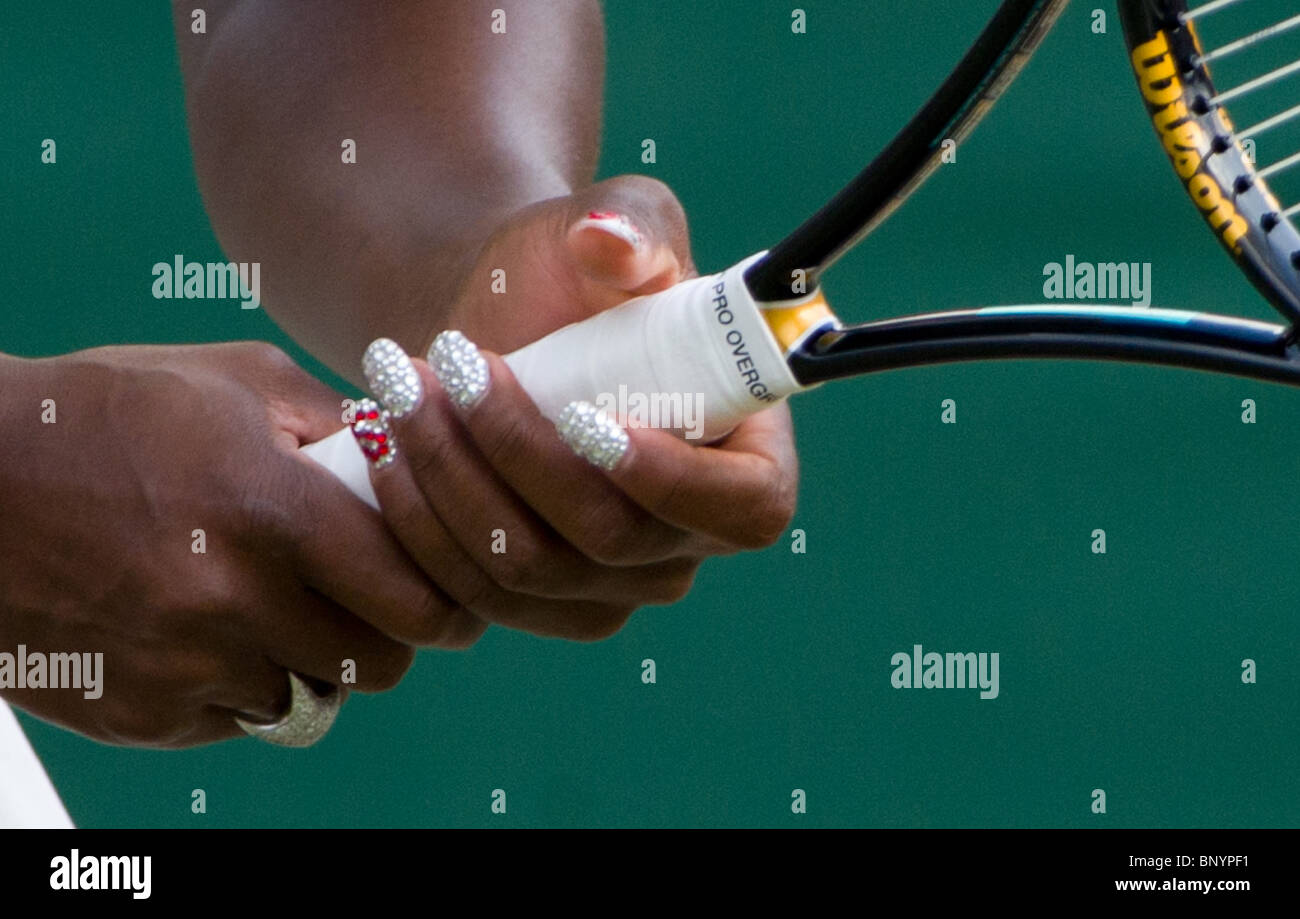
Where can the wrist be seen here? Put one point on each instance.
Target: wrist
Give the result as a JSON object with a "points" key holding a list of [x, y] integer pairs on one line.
{"points": [[446, 282]]}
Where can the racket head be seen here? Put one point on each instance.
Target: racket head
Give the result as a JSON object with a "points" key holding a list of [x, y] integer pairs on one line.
{"points": [[1192, 119]]}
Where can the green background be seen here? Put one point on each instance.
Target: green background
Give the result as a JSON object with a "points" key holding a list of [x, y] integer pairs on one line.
{"points": [[1118, 671]]}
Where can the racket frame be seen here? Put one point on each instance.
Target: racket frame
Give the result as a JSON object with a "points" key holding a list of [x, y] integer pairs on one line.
{"points": [[1241, 209]]}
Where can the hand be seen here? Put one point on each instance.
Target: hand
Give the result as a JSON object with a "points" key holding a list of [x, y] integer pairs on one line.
{"points": [[98, 526], [584, 545], [569, 258]]}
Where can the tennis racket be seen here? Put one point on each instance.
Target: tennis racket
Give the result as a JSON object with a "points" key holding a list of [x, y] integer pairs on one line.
{"points": [[763, 330]]}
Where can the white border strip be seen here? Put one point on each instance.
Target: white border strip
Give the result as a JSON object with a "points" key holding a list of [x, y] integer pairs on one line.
{"points": [[27, 797]]}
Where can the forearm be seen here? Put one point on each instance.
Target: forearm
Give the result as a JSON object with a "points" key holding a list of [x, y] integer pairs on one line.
{"points": [[456, 127]]}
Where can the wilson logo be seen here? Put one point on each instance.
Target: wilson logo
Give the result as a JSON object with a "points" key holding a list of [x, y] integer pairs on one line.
{"points": [[1184, 139]]}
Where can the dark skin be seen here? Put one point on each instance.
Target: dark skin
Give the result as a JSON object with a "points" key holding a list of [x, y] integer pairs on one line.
{"points": [[475, 151], [456, 129], [149, 444]]}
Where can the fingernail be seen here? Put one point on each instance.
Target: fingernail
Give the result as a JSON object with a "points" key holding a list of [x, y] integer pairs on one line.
{"points": [[392, 377], [613, 224], [373, 433], [460, 368], [592, 434]]}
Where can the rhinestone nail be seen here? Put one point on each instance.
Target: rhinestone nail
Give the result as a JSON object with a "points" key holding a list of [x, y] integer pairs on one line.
{"points": [[392, 377], [592, 434], [460, 368]]}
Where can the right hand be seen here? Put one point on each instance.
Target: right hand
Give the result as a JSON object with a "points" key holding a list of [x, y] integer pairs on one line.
{"points": [[488, 498], [97, 531]]}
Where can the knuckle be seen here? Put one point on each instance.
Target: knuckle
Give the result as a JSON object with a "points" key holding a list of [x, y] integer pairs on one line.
{"points": [[520, 570], [668, 583], [605, 623], [176, 736], [663, 503], [678, 584], [507, 441], [464, 632], [387, 669], [195, 673], [773, 510], [658, 194], [405, 518], [594, 622], [266, 510], [427, 455], [613, 547], [134, 726], [483, 595], [268, 357], [430, 622], [667, 211], [607, 535], [269, 519]]}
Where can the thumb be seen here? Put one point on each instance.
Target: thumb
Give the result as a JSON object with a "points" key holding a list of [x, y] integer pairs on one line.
{"points": [[629, 235]]}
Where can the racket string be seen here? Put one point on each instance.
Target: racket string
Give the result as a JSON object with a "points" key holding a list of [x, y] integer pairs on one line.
{"points": [[1253, 39], [1277, 120], [1208, 9], [1280, 166], [1255, 86]]}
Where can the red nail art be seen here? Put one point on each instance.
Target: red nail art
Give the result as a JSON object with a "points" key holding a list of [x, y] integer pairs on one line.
{"points": [[371, 429]]}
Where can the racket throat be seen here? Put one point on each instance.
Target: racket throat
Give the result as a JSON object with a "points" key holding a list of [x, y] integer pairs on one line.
{"points": [[794, 322]]}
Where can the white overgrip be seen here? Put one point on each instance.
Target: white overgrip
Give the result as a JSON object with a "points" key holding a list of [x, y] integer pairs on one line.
{"points": [[340, 454], [705, 340], [703, 344]]}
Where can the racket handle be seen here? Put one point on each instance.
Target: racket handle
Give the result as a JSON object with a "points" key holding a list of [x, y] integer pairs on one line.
{"points": [[696, 359], [340, 454]]}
